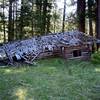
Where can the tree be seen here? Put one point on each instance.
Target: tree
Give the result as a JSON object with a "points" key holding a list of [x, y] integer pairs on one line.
{"points": [[81, 15], [4, 21], [38, 17], [48, 17], [25, 18], [98, 19], [10, 24], [32, 18], [42, 17], [64, 14], [90, 15], [55, 21], [3, 18], [16, 20], [21, 20]]}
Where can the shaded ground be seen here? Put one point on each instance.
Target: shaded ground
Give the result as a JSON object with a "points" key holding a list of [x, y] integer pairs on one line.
{"points": [[51, 79]]}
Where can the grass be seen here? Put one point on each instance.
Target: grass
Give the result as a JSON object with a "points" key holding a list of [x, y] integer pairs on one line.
{"points": [[51, 79]]}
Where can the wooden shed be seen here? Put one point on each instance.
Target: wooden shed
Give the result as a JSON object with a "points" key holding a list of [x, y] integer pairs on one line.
{"points": [[69, 45]]}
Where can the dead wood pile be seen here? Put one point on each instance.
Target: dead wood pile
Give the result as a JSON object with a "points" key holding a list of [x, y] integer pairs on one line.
{"points": [[30, 49]]}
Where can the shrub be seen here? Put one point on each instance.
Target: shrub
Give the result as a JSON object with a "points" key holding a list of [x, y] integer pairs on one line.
{"points": [[95, 57]]}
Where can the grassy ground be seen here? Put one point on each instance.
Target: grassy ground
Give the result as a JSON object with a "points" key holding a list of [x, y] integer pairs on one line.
{"points": [[51, 79]]}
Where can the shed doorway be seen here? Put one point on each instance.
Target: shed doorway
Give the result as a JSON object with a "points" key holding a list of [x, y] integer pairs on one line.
{"points": [[77, 53]]}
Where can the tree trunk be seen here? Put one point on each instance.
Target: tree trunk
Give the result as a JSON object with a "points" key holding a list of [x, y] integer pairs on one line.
{"points": [[39, 23], [44, 15], [21, 20], [64, 12], [90, 27], [32, 18], [10, 23], [4, 22], [81, 15], [16, 30], [98, 19], [90, 17], [48, 24], [54, 26], [13, 20], [49, 6]]}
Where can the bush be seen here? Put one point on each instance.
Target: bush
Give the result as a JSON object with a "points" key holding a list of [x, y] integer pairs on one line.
{"points": [[95, 57]]}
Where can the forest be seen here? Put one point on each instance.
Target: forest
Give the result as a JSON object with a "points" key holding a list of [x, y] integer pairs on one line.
{"points": [[66, 33], [20, 19]]}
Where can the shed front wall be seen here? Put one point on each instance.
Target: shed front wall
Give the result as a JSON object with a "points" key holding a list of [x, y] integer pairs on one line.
{"points": [[68, 52]]}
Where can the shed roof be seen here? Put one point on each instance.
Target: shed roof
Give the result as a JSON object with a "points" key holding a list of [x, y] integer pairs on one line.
{"points": [[68, 38], [36, 45]]}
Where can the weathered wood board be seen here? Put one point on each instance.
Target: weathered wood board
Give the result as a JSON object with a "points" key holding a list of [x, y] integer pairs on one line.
{"points": [[36, 47]]}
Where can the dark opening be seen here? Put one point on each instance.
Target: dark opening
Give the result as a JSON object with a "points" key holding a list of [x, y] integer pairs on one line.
{"points": [[46, 49], [76, 53]]}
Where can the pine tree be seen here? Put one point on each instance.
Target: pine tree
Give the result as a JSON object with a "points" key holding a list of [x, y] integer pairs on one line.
{"points": [[90, 15], [64, 12], [10, 23], [98, 19], [81, 4]]}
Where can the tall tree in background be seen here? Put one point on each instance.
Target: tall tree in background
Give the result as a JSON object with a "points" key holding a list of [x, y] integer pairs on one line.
{"points": [[10, 22], [64, 14], [44, 15], [32, 17], [13, 16], [48, 17], [38, 17], [25, 18], [4, 21], [81, 5], [16, 21], [90, 15], [98, 19], [43, 9], [55, 19], [21, 19], [47, 6]]}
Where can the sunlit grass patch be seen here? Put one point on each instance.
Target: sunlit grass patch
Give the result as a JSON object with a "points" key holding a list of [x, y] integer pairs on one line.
{"points": [[20, 93], [97, 69]]}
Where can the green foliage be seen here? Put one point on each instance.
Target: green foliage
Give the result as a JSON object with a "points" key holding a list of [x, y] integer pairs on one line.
{"points": [[55, 21], [71, 22], [43, 16], [91, 11], [95, 58], [34, 14]]}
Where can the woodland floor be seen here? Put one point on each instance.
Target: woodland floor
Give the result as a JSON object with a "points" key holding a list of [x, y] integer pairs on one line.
{"points": [[51, 79]]}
